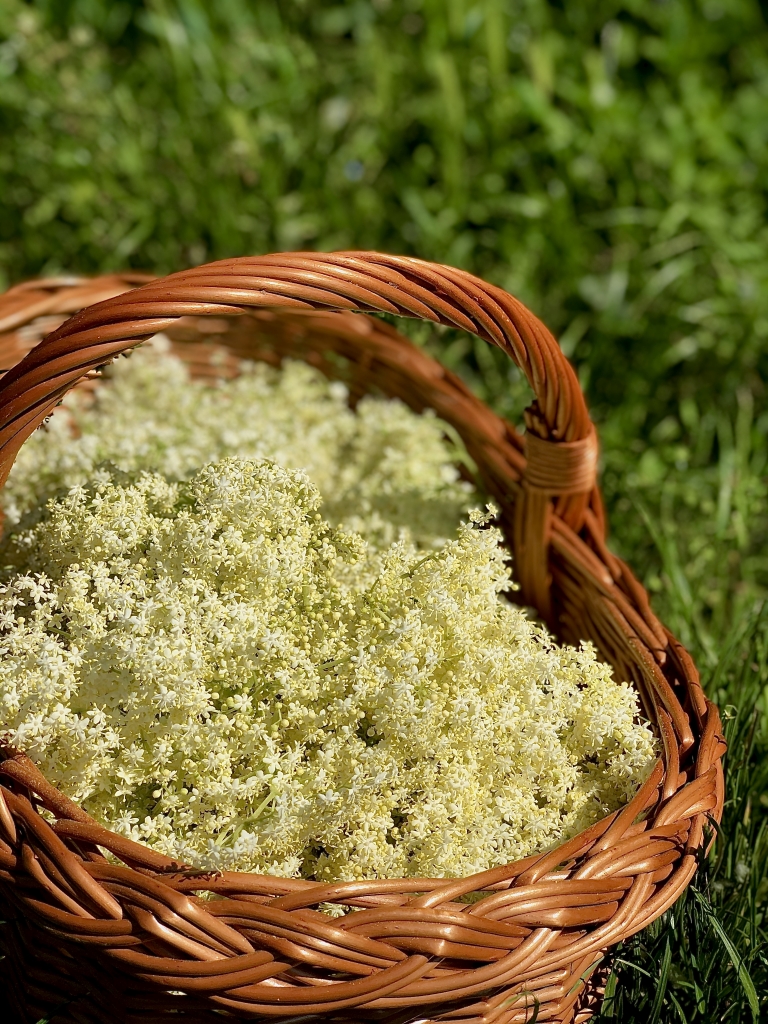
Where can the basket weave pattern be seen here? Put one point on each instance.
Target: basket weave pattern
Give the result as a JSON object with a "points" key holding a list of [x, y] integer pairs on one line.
{"points": [[127, 938]]}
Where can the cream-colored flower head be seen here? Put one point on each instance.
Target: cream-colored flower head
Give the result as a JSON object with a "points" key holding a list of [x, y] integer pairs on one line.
{"points": [[211, 668], [247, 669], [382, 470]]}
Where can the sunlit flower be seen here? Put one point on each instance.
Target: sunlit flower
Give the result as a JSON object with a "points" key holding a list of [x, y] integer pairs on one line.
{"points": [[251, 666]]}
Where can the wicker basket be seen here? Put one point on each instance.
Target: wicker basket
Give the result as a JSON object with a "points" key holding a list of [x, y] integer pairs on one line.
{"points": [[88, 940]]}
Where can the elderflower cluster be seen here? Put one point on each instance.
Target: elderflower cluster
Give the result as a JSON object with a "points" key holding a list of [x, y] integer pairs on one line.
{"points": [[381, 470], [211, 667]]}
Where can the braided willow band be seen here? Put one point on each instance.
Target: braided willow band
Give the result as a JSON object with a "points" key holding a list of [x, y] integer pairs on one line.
{"points": [[102, 941]]}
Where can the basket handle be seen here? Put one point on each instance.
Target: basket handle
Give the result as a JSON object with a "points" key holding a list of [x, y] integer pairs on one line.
{"points": [[561, 443]]}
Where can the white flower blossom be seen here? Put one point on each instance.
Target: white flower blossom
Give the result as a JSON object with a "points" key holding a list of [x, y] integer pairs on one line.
{"points": [[254, 665], [381, 470]]}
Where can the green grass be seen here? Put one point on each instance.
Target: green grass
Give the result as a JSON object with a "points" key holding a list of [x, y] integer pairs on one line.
{"points": [[606, 161]]}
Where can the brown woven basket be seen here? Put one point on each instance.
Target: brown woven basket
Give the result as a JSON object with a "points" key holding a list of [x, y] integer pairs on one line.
{"points": [[89, 940]]}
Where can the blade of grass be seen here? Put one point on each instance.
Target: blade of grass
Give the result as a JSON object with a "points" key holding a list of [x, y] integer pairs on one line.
{"points": [[661, 988], [744, 975]]}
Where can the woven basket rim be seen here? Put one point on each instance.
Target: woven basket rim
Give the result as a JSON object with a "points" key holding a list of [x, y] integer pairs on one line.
{"points": [[592, 891]]}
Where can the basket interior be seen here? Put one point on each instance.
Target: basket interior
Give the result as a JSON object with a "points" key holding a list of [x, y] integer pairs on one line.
{"points": [[371, 357]]}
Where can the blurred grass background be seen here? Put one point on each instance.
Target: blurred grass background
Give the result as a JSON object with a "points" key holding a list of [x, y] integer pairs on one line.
{"points": [[607, 162]]}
